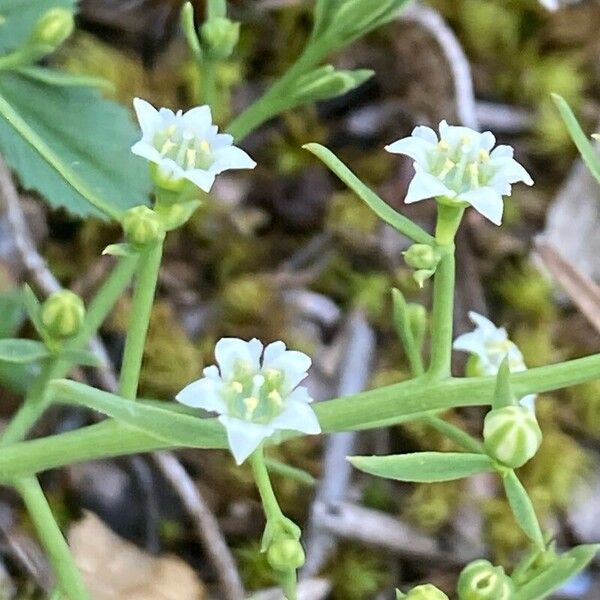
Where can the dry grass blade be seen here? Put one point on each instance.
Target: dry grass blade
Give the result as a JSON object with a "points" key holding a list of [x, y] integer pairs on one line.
{"points": [[583, 292]]}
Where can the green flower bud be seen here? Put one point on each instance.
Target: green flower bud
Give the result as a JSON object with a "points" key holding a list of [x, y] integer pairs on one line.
{"points": [[53, 28], [285, 554], [219, 37], [422, 256], [480, 580], [426, 592], [62, 314], [511, 435], [142, 226]]}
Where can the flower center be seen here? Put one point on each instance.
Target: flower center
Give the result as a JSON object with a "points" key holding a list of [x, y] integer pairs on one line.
{"points": [[184, 147], [254, 397], [461, 168]]}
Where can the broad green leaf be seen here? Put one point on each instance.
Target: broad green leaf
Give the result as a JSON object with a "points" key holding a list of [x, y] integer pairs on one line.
{"points": [[585, 147], [71, 146], [424, 467], [383, 210], [22, 351], [165, 424], [18, 17], [558, 573], [33, 308], [18, 377], [522, 508], [12, 310]]}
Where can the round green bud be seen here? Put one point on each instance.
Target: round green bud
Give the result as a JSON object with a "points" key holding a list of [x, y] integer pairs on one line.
{"points": [[219, 37], [426, 592], [511, 435], [53, 28], [285, 554], [480, 580], [422, 256], [142, 226], [62, 314]]}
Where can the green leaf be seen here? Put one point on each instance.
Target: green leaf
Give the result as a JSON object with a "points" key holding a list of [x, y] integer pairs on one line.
{"points": [[33, 308], [71, 146], [22, 351], [424, 467], [383, 210], [522, 508], [64, 79], [121, 250], [167, 425], [557, 573], [82, 357], [12, 310], [580, 139], [18, 17]]}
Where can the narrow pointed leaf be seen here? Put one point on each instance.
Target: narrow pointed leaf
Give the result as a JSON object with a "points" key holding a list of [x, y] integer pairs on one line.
{"points": [[383, 210], [424, 467], [580, 139], [522, 508], [22, 351], [558, 573]]}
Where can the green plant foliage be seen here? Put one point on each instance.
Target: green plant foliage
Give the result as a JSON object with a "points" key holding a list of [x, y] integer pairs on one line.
{"points": [[18, 16], [91, 136], [424, 466]]}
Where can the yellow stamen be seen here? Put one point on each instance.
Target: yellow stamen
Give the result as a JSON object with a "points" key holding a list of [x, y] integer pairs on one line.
{"points": [[205, 146], [250, 403], [474, 174], [190, 158], [275, 397], [446, 168], [484, 155], [167, 147], [171, 130], [237, 387], [443, 146]]}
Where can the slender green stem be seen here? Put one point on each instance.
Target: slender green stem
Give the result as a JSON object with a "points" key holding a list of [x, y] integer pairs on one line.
{"points": [[35, 402], [265, 489], [216, 9], [442, 317], [208, 70], [141, 308], [456, 434], [67, 573]]}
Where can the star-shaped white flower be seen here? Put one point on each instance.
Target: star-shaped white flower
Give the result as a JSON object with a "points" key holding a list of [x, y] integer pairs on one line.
{"points": [[489, 345], [256, 393], [461, 167], [186, 145]]}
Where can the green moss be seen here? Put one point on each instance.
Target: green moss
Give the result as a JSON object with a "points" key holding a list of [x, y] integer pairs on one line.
{"points": [[349, 217], [431, 506], [585, 403], [254, 569]]}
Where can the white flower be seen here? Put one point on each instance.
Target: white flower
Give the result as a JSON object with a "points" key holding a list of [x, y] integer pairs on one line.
{"points": [[459, 168], [254, 397], [186, 145], [490, 345]]}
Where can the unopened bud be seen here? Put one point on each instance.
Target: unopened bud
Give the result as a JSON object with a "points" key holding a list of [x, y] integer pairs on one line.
{"points": [[53, 28], [62, 314], [422, 256], [511, 435], [220, 37], [142, 226], [426, 592], [285, 554], [480, 580]]}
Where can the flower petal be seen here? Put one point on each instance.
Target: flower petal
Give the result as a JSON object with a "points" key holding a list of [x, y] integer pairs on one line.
{"points": [[231, 157], [415, 147], [293, 364], [203, 179], [203, 393], [297, 416], [425, 133], [198, 119], [300, 394], [510, 170], [472, 342], [147, 116], [147, 151], [244, 437], [230, 352], [529, 402], [424, 185], [486, 201]]}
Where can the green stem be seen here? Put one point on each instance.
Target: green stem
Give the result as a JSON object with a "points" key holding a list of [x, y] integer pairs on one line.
{"points": [[141, 308], [216, 9], [34, 404], [67, 573], [456, 434], [442, 317], [35, 400], [265, 489], [208, 71]]}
